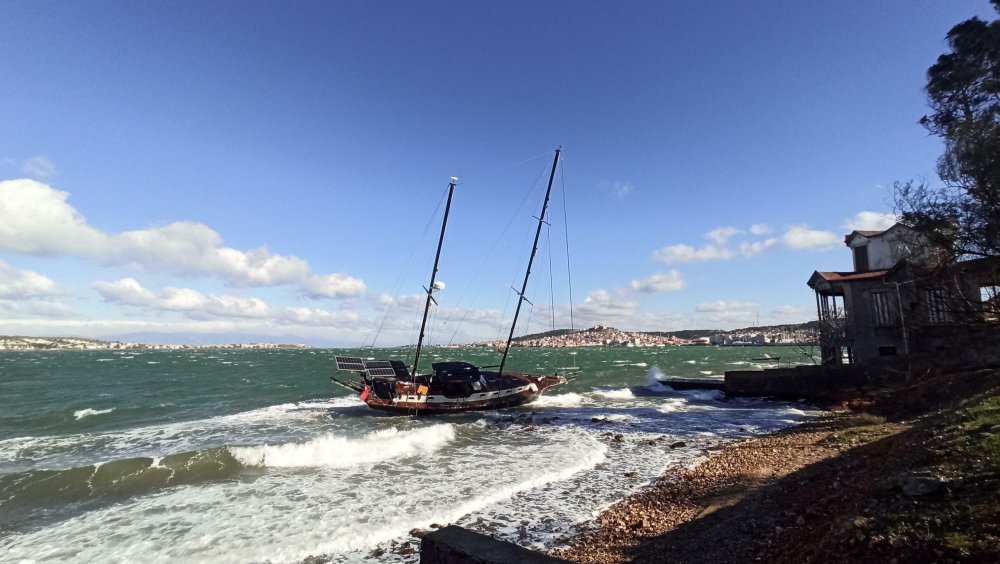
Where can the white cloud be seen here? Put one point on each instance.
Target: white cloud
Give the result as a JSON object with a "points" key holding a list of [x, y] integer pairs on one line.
{"points": [[198, 306], [790, 311], [25, 292], [39, 167], [761, 229], [662, 282], [332, 286], [17, 284], [36, 219], [720, 236], [601, 304], [126, 291], [720, 306], [804, 237], [620, 189], [748, 249], [870, 221], [679, 254]]}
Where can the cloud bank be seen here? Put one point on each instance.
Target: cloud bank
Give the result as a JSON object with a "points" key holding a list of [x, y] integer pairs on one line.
{"points": [[36, 219]]}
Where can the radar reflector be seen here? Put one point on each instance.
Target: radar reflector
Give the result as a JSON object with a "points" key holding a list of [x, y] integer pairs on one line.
{"points": [[350, 364]]}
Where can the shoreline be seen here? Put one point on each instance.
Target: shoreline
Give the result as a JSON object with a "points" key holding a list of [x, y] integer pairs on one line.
{"points": [[641, 526], [850, 486]]}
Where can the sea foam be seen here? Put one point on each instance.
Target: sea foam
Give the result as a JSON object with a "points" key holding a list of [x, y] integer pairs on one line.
{"points": [[338, 451], [81, 413]]}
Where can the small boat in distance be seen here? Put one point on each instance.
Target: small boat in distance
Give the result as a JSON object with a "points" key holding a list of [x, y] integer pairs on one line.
{"points": [[456, 386], [766, 358]]}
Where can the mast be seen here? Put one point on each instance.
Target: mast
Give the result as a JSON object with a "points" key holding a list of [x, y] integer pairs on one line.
{"points": [[531, 259], [430, 288]]}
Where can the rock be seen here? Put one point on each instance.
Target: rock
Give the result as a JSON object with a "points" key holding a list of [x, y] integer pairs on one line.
{"points": [[917, 485], [435, 526], [619, 438], [419, 533], [598, 419], [631, 474], [637, 525], [678, 444]]}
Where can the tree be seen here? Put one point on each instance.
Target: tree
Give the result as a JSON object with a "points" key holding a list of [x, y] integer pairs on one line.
{"points": [[963, 87]]}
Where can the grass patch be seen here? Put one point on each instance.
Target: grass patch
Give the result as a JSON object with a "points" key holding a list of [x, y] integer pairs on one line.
{"points": [[961, 523], [850, 430]]}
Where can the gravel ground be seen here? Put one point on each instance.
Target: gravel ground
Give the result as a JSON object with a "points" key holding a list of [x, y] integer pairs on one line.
{"points": [[748, 499]]}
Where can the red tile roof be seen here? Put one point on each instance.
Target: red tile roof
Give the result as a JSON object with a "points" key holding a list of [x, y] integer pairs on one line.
{"points": [[846, 276]]}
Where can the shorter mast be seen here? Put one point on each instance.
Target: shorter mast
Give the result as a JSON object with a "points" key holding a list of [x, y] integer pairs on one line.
{"points": [[430, 288], [531, 260]]}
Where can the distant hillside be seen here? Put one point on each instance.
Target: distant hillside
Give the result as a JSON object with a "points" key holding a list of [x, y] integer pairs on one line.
{"points": [[682, 334], [181, 338], [555, 333]]}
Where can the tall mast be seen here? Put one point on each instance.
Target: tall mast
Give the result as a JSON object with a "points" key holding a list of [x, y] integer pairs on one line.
{"points": [[430, 288], [531, 259]]}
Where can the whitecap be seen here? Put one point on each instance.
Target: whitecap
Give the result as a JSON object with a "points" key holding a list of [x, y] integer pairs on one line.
{"points": [[571, 399], [81, 413], [619, 393], [335, 451]]}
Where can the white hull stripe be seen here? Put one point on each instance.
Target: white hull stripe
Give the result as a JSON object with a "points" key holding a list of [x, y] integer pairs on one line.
{"points": [[484, 396]]}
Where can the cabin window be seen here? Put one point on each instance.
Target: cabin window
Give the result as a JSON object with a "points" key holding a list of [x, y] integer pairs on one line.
{"points": [[861, 258], [884, 311], [938, 310]]}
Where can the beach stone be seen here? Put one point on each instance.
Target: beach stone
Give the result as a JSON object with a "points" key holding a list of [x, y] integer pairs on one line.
{"points": [[631, 474], [619, 438], [678, 444], [918, 485]]}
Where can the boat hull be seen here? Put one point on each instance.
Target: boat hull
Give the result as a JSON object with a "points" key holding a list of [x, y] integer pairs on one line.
{"points": [[403, 403]]}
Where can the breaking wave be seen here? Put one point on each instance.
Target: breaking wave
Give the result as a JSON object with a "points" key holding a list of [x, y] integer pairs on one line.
{"points": [[335, 451], [81, 413]]}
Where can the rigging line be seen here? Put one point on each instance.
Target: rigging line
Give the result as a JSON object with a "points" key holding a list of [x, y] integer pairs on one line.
{"points": [[552, 299], [496, 241], [503, 168], [569, 271], [397, 286]]}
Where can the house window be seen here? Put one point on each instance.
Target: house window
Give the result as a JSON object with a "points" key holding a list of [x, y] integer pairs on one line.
{"points": [[938, 310], [884, 312], [990, 297], [861, 258]]}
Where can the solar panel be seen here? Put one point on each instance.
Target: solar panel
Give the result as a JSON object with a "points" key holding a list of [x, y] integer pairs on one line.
{"points": [[379, 368], [350, 364]]}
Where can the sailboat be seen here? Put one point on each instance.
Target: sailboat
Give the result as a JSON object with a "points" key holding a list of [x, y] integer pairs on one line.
{"points": [[454, 386]]}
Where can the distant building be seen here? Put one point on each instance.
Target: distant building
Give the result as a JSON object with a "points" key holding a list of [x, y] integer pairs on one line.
{"points": [[901, 297]]}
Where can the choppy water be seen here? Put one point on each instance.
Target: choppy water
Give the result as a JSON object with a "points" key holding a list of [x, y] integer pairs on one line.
{"points": [[249, 456]]}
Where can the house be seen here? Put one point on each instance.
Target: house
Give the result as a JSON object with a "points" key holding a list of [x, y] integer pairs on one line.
{"points": [[903, 296]]}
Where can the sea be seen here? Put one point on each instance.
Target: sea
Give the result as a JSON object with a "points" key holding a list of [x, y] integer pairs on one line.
{"points": [[241, 455]]}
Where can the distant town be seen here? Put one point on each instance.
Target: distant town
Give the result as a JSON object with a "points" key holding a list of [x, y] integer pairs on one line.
{"points": [[597, 336], [12, 343], [603, 336]]}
